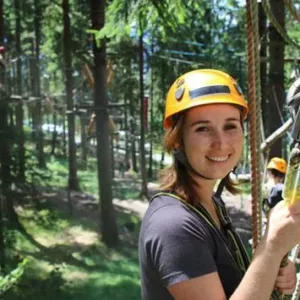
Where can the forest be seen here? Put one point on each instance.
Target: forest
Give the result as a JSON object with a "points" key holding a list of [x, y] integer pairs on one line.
{"points": [[82, 94]]}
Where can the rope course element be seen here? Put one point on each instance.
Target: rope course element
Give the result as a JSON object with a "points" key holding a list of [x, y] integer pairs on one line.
{"points": [[293, 258], [297, 290], [294, 12], [254, 7], [254, 116], [278, 27]]}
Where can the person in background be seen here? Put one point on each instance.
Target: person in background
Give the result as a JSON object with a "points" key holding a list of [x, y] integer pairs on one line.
{"points": [[188, 246], [276, 170]]}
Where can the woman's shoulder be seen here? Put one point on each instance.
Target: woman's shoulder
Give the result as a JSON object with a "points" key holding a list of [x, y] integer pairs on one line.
{"points": [[168, 213], [164, 202]]}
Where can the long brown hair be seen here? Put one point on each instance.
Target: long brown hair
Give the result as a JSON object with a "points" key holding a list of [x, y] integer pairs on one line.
{"points": [[176, 178]]}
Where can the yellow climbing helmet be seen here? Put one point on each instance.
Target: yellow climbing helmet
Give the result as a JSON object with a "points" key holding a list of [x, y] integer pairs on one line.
{"points": [[278, 164], [201, 87]]}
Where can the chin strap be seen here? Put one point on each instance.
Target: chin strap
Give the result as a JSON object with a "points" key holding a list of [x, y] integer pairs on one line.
{"points": [[222, 183], [221, 187]]}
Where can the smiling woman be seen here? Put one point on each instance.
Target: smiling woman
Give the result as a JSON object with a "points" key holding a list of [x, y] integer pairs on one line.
{"points": [[188, 246]]}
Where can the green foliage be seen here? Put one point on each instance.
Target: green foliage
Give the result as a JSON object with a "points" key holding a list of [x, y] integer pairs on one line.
{"points": [[245, 187], [109, 31], [6, 282], [88, 181], [68, 261], [292, 68]]}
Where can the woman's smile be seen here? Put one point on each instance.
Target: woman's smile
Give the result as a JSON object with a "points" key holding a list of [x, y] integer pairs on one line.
{"points": [[218, 158]]}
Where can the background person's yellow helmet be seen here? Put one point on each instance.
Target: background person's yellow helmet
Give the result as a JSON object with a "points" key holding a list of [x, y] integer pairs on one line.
{"points": [[278, 164], [202, 87]]}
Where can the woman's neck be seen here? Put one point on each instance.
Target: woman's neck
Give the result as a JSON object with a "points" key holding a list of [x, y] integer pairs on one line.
{"points": [[204, 192], [204, 189]]}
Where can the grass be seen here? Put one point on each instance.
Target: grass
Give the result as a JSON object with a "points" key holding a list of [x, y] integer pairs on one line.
{"points": [[88, 182], [68, 261]]}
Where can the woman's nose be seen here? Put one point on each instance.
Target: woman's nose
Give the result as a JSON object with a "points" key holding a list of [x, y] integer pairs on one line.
{"points": [[218, 139]]}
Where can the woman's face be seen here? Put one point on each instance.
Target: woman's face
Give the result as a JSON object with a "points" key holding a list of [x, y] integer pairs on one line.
{"points": [[213, 139]]}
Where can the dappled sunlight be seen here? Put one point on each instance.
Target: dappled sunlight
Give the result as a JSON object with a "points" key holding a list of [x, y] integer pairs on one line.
{"points": [[78, 235], [76, 275], [105, 287], [39, 268], [67, 257]]}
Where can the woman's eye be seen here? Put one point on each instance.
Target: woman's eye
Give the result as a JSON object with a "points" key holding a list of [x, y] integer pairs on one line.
{"points": [[230, 126], [202, 129]]}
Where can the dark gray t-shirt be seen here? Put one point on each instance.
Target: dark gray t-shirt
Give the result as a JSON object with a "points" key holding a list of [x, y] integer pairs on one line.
{"points": [[176, 244], [275, 195]]}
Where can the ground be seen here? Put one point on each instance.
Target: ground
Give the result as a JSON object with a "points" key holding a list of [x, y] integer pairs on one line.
{"points": [[85, 206]]}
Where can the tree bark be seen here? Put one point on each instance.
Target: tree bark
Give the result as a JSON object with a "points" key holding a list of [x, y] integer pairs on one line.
{"points": [[54, 134], [132, 118], [107, 216], [84, 148], [263, 63], [276, 75], [4, 151], [150, 168], [73, 180], [37, 85], [19, 108], [143, 167]]}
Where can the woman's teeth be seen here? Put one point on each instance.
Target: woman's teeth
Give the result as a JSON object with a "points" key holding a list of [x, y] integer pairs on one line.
{"points": [[218, 158]]}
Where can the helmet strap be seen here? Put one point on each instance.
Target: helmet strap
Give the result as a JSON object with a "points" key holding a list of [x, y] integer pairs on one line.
{"points": [[222, 183], [221, 187]]}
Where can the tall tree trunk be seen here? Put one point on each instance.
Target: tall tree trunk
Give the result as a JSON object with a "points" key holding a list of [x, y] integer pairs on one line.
{"points": [[276, 75], [4, 150], [64, 134], [19, 108], [126, 128], [263, 62], [84, 148], [32, 88], [108, 223], [150, 169], [54, 120], [73, 180], [143, 167], [112, 155], [132, 118], [39, 110]]}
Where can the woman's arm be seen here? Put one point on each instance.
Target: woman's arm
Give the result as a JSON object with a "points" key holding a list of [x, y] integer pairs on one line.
{"points": [[257, 283], [210, 287], [259, 280]]}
